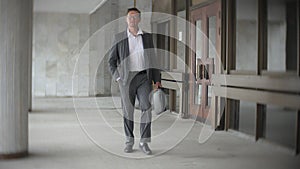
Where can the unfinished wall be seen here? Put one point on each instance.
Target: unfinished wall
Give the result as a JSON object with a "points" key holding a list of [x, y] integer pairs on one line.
{"points": [[57, 40]]}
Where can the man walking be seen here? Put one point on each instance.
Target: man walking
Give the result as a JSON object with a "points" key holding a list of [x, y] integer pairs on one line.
{"points": [[131, 64]]}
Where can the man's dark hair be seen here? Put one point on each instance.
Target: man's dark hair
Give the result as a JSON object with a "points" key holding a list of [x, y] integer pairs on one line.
{"points": [[134, 9]]}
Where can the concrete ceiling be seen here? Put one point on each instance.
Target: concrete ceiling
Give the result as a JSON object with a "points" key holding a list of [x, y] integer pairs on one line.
{"points": [[67, 6]]}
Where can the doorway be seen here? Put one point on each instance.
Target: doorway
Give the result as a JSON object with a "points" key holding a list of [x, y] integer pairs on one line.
{"points": [[206, 44]]}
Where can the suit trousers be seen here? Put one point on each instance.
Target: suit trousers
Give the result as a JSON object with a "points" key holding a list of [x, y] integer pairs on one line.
{"points": [[138, 86]]}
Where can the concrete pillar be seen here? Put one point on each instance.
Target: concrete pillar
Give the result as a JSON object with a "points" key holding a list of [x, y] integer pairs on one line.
{"points": [[15, 52], [30, 42]]}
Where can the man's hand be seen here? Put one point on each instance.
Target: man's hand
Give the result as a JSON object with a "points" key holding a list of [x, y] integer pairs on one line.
{"points": [[157, 85]]}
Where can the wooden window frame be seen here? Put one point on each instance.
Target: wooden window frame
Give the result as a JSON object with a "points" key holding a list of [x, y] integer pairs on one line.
{"points": [[261, 75]]}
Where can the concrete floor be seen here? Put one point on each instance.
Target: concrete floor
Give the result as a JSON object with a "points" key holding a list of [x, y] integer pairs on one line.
{"points": [[92, 137]]}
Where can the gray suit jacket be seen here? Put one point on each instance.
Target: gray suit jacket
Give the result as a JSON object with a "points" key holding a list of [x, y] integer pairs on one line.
{"points": [[118, 57]]}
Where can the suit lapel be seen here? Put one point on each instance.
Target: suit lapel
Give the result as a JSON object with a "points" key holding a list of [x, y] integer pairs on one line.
{"points": [[145, 44], [146, 50], [126, 45]]}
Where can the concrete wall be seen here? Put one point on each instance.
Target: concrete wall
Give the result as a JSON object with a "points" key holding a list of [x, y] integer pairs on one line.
{"points": [[246, 35], [276, 44], [163, 6], [57, 40], [101, 39]]}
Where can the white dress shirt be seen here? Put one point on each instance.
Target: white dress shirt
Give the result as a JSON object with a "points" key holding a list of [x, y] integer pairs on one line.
{"points": [[136, 51]]}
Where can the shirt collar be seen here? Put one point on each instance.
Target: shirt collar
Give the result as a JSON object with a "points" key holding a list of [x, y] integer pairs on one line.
{"points": [[129, 34]]}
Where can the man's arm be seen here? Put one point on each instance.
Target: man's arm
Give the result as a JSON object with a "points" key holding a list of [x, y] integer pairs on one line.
{"points": [[113, 60]]}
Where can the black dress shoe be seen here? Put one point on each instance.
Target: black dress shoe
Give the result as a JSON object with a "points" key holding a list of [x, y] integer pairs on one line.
{"points": [[145, 148], [128, 149]]}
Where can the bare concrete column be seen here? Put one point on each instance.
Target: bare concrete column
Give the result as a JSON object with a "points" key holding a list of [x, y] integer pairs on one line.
{"points": [[15, 52], [30, 40]]}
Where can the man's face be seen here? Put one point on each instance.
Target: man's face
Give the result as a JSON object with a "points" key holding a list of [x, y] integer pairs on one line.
{"points": [[133, 19]]}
